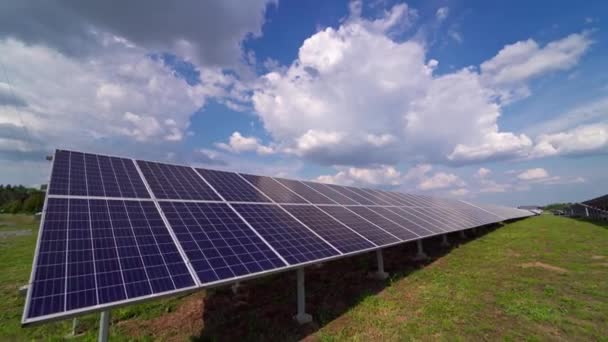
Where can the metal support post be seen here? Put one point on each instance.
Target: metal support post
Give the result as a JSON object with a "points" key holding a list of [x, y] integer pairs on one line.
{"points": [[586, 211], [302, 317], [463, 235], [235, 287], [444, 241], [104, 326], [74, 326], [379, 274], [420, 255]]}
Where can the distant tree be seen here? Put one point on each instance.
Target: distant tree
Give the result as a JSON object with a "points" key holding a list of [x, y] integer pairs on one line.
{"points": [[33, 203], [12, 207]]}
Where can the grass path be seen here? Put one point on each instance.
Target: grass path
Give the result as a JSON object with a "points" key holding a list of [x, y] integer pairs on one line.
{"points": [[544, 278]]}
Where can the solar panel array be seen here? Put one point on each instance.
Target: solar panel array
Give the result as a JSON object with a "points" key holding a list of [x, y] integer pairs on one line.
{"points": [[117, 230]]}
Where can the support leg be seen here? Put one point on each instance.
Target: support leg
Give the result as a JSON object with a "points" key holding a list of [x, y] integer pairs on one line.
{"points": [[302, 317], [463, 235], [444, 241], [420, 255], [379, 274], [235, 287], [74, 326], [104, 326]]}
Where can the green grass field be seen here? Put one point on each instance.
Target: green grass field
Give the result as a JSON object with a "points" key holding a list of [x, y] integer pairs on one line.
{"points": [[543, 278]]}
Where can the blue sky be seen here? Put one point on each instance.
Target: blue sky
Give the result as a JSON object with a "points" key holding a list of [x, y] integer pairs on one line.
{"points": [[503, 102]]}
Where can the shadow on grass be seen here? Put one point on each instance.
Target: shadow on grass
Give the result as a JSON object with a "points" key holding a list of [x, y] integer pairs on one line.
{"points": [[597, 222], [262, 309]]}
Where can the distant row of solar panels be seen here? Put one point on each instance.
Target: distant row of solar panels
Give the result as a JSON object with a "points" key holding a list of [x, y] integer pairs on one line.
{"points": [[117, 231]]}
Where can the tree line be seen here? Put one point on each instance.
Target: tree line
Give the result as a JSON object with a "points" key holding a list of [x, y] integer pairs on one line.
{"points": [[16, 199]]}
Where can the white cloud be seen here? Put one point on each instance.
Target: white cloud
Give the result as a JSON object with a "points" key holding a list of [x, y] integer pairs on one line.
{"points": [[533, 174], [441, 180], [442, 13], [523, 60], [384, 175], [356, 97], [491, 186], [483, 172], [582, 140], [459, 192], [238, 143]]}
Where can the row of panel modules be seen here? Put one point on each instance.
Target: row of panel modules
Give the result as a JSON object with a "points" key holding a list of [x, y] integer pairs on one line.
{"points": [[116, 230]]}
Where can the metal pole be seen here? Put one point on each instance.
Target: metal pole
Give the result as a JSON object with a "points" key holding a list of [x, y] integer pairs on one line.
{"points": [[420, 255], [74, 326], [380, 274], [587, 211], [302, 317], [104, 326], [462, 235], [444, 240]]}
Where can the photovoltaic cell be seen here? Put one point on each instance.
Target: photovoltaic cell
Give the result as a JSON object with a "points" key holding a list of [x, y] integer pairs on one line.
{"points": [[176, 182], [273, 189], [305, 191], [361, 226], [359, 199], [381, 196], [331, 230], [412, 216], [384, 223], [336, 196], [217, 242], [370, 197], [419, 230], [294, 242], [94, 252], [232, 187], [84, 174]]}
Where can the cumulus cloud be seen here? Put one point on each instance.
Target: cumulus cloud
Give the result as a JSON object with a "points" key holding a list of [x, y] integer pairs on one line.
{"points": [[441, 180], [482, 172], [208, 32], [238, 143], [356, 97], [442, 13], [586, 139], [384, 175], [533, 174]]}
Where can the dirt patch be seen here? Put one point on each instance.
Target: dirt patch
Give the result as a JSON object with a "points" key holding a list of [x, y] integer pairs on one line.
{"points": [[598, 257], [548, 267], [178, 325]]}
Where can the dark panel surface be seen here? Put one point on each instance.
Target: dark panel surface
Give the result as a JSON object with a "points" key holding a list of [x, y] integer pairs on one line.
{"points": [[273, 189], [384, 223], [331, 230], [294, 242], [217, 242], [176, 182], [232, 187], [356, 223], [305, 191]]}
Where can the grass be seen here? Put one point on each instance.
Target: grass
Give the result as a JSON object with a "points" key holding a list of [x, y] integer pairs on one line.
{"points": [[542, 278]]}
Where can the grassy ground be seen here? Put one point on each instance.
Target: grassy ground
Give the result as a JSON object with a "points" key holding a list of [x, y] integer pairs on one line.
{"points": [[544, 278]]}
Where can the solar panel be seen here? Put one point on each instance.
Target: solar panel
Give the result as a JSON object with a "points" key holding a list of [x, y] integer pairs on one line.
{"points": [[176, 182], [217, 242], [84, 174], [409, 214], [232, 187], [116, 231], [328, 192], [293, 241], [273, 189], [100, 252], [360, 225], [359, 199], [331, 230], [307, 192], [402, 221], [384, 223]]}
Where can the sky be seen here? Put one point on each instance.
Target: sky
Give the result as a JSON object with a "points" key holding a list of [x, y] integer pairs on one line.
{"points": [[503, 102]]}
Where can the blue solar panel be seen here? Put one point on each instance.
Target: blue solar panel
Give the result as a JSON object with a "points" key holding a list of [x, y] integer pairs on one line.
{"points": [[402, 221], [385, 196], [273, 189], [176, 182], [359, 199], [294, 242], [361, 226], [96, 252], [217, 242], [327, 191], [331, 230], [83, 174], [384, 223], [438, 216], [305, 191], [368, 195], [232, 187], [419, 220]]}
